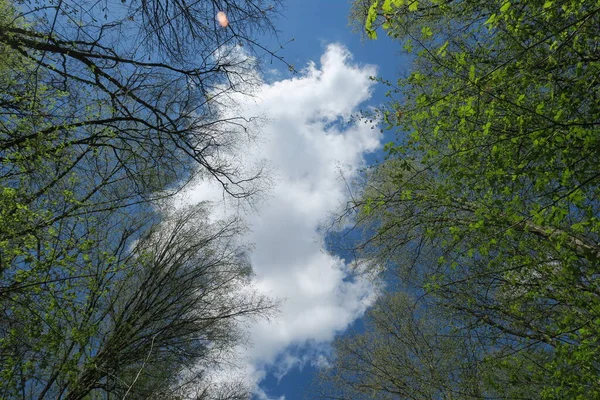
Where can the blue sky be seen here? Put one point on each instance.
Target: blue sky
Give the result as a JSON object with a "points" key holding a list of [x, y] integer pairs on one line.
{"points": [[309, 154], [314, 24]]}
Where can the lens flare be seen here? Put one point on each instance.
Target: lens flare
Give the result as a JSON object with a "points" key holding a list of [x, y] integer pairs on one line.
{"points": [[222, 19]]}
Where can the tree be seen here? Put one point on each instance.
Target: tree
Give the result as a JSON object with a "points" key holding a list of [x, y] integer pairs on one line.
{"points": [[144, 315], [89, 104], [488, 200], [105, 110], [407, 350], [140, 82]]}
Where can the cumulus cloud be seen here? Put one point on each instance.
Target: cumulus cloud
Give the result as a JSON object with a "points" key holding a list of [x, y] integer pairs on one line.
{"points": [[308, 140]]}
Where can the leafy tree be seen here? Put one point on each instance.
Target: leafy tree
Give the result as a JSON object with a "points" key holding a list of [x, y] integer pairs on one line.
{"points": [[106, 109], [488, 200]]}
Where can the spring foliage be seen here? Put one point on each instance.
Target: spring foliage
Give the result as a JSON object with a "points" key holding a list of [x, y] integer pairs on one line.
{"points": [[487, 202], [105, 291]]}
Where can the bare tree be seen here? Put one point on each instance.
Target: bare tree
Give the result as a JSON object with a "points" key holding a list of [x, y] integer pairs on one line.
{"points": [[147, 315], [124, 91], [413, 349]]}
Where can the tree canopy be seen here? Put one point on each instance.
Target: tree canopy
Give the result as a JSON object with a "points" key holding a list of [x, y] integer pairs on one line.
{"points": [[106, 110], [487, 202]]}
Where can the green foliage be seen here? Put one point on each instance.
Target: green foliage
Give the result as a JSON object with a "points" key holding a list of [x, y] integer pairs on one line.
{"points": [[104, 292], [371, 17], [495, 174]]}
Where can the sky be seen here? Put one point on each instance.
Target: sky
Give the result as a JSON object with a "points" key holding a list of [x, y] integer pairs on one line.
{"points": [[312, 149]]}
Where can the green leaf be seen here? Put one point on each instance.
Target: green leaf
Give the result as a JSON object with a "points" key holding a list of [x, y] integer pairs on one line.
{"points": [[472, 73], [371, 18], [426, 32], [389, 5], [491, 20], [442, 50]]}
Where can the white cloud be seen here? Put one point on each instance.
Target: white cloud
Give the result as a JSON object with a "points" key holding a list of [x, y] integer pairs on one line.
{"points": [[307, 140]]}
